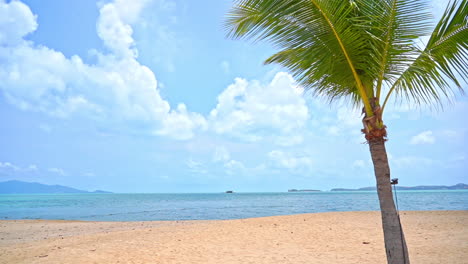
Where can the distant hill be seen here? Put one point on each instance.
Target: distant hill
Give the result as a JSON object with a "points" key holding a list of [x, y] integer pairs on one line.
{"points": [[460, 186], [12, 187]]}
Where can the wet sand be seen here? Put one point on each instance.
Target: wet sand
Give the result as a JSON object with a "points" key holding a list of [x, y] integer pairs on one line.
{"points": [[344, 237]]}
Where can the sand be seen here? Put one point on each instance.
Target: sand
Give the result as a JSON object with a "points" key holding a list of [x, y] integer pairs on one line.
{"points": [[344, 237]]}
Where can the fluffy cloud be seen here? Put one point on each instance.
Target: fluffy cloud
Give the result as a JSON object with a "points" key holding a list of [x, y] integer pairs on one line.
{"points": [[425, 137], [16, 21], [181, 124], [116, 87], [285, 160], [250, 110], [114, 25]]}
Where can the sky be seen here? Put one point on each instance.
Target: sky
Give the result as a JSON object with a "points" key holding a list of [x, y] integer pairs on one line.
{"points": [[150, 96]]}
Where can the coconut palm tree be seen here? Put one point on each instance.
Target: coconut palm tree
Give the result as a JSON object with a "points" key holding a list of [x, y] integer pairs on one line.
{"points": [[365, 51]]}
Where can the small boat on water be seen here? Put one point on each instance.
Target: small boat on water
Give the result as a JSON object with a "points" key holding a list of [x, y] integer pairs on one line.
{"points": [[229, 192]]}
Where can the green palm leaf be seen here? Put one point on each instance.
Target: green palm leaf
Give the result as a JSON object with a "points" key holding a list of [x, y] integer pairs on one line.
{"points": [[428, 79], [324, 49], [394, 25], [356, 48]]}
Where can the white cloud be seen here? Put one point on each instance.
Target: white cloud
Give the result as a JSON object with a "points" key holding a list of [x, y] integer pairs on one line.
{"points": [[285, 160], [116, 34], [116, 88], [16, 21], [58, 171], [17, 168], [425, 137], [181, 124], [250, 110], [8, 165], [114, 25]]}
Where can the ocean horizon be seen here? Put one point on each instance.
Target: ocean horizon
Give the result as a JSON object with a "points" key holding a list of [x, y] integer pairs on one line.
{"points": [[212, 206]]}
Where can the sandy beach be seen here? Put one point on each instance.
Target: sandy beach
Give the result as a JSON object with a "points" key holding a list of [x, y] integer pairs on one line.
{"points": [[344, 237]]}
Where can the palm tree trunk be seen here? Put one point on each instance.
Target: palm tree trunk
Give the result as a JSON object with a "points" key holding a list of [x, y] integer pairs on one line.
{"points": [[395, 244]]}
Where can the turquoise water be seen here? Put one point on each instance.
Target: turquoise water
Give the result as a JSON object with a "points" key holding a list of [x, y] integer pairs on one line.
{"points": [[145, 207]]}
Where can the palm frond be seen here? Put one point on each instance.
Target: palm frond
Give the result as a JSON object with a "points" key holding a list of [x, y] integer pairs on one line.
{"points": [[352, 48], [394, 26], [325, 49], [443, 61]]}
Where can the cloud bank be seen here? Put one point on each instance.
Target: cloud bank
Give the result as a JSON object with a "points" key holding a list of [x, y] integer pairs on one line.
{"points": [[118, 88]]}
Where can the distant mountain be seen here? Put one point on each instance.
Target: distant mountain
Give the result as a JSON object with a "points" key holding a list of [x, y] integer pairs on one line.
{"points": [[11, 187], [460, 186]]}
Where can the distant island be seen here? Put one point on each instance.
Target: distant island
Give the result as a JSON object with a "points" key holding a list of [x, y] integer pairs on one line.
{"points": [[303, 190], [460, 186], [20, 187]]}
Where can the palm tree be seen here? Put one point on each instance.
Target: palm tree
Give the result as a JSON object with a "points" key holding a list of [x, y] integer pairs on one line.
{"points": [[364, 51]]}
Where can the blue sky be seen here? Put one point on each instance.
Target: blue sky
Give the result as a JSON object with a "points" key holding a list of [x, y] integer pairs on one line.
{"points": [[150, 96]]}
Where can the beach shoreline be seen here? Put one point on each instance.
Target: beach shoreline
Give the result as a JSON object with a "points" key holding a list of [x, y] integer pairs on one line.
{"points": [[337, 237]]}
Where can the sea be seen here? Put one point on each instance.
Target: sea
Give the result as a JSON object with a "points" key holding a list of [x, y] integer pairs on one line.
{"points": [[212, 206]]}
